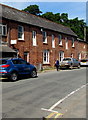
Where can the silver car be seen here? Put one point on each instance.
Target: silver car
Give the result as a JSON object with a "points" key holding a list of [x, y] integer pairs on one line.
{"points": [[69, 63]]}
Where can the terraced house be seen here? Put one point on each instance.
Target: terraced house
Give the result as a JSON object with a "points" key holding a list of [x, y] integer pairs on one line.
{"points": [[37, 40]]}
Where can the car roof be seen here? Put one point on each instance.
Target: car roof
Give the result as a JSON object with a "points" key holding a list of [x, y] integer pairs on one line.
{"points": [[11, 59]]}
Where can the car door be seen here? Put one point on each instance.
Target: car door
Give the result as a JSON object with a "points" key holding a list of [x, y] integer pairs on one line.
{"points": [[74, 62], [25, 66], [17, 66], [77, 62], [21, 66]]}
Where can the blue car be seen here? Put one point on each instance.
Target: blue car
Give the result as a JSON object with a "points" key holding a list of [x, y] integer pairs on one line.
{"points": [[14, 67]]}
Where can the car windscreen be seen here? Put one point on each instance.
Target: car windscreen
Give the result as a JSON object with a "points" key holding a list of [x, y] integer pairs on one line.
{"points": [[3, 62], [67, 59], [83, 60]]}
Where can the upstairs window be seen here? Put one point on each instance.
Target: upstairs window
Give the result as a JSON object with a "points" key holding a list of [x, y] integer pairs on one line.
{"points": [[44, 37], [60, 39], [34, 38], [20, 33], [53, 41], [73, 42], [66, 43], [3, 30]]}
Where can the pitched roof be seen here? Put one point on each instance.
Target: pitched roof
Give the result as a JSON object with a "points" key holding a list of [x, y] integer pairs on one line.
{"points": [[20, 16]]}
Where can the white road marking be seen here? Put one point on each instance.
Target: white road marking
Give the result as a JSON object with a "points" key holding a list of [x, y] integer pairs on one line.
{"points": [[51, 108]]}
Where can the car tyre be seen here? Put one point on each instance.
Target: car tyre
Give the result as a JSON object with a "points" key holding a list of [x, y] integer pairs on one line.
{"points": [[79, 66], [13, 77], [33, 74], [71, 66]]}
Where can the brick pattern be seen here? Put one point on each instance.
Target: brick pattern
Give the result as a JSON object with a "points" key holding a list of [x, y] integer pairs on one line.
{"points": [[36, 52]]}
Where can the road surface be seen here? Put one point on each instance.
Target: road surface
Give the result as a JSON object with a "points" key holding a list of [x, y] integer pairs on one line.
{"points": [[51, 95]]}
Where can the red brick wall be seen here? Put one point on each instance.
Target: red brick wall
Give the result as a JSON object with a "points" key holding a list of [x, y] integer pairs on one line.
{"points": [[36, 52]]}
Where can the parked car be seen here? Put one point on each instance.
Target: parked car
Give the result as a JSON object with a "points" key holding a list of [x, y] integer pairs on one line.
{"points": [[69, 63], [84, 62], [12, 68]]}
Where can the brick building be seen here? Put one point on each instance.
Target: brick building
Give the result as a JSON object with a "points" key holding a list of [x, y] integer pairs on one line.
{"points": [[37, 40]]}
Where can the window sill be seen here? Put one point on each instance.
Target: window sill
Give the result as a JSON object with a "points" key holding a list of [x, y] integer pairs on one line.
{"points": [[21, 39], [34, 45], [46, 63], [61, 45], [45, 43]]}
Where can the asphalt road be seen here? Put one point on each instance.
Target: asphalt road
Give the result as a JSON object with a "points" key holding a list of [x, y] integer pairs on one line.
{"points": [[52, 94]]}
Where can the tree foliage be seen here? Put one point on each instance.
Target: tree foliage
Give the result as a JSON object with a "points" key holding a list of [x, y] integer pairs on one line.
{"points": [[75, 24], [33, 9]]}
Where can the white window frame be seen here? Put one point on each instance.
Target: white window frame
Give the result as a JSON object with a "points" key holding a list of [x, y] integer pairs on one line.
{"points": [[46, 57], [22, 37], [73, 42], [34, 38], [60, 39], [61, 55], [79, 56], [53, 41], [66, 43], [2, 30], [72, 55], [27, 54], [44, 37]]}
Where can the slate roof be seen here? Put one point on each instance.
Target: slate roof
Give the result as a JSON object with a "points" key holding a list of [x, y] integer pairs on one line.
{"points": [[5, 48], [20, 16]]}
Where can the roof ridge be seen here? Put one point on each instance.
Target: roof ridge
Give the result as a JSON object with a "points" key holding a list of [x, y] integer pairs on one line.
{"points": [[33, 15], [44, 19]]}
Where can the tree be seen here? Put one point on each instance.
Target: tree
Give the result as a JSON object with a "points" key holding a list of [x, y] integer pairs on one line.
{"points": [[49, 16], [64, 17], [57, 17], [75, 24], [87, 34], [33, 9]]}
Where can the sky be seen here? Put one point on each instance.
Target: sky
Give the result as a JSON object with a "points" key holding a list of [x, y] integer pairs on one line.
{"points": [[74, 9]]}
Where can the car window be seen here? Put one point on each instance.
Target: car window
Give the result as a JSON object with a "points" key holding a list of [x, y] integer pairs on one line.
{"points": [[83, 60], [15, 61], [67, 59], [3, 62], [19, 62], [23, 62], [74, 59]]}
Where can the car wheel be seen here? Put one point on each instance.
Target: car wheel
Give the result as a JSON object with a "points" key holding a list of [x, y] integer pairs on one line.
{"points": [[71, 66], [14, 76], [33, 74], [79, 66]]}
